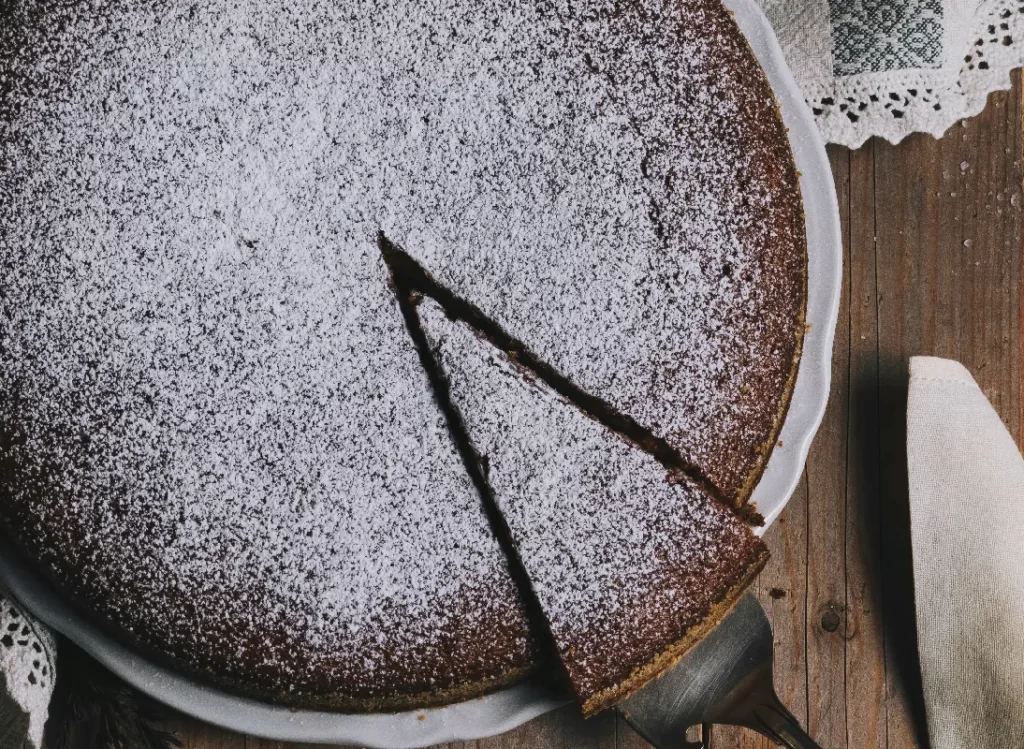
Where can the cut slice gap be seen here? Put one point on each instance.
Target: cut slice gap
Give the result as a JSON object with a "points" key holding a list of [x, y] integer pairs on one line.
{"points": [[630, 567], [409, 275], [408, 299]]}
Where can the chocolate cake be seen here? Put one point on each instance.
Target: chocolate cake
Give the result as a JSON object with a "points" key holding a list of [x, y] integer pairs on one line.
{"points": [[218, 437]]}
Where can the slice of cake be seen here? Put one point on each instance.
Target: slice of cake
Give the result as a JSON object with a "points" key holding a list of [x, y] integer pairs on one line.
{"points": [[630, 566]]}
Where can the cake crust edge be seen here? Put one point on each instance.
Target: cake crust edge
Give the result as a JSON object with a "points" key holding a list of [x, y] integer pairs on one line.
{"points": [[791, 174], [667, 658], [329, 701]]}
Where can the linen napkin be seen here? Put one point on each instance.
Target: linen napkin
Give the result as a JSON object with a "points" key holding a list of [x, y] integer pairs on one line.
{"points": [[967, 528], [895, 67]]}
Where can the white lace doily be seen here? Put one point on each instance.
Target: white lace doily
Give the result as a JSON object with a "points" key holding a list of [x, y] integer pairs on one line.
{"points": [[26, 672], [895, 67]]}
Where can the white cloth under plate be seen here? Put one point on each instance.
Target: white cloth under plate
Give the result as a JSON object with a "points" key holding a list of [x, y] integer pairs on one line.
{"points": [[26, 675], [967, 527], [895, 67]]}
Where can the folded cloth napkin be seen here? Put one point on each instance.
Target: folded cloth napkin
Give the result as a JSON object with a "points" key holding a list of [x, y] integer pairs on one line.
{"points": [[895, 67], [967, 528], [26, 675]]}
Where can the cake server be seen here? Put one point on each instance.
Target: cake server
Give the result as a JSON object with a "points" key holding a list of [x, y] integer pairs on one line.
{"points": [[726, 678]]}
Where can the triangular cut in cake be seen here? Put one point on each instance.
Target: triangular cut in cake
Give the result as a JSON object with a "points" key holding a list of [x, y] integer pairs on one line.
{"points": [[413, 278], [630, 566]]}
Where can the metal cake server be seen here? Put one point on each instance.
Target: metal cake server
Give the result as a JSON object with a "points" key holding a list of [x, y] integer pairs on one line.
{"points": [[725, 678]]}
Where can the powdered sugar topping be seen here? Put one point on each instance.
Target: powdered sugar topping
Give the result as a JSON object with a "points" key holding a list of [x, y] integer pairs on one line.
{"points": [[199, 345]]}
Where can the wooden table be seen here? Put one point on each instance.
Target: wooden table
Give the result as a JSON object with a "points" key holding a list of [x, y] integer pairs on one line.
{"points": [[932, 242]]}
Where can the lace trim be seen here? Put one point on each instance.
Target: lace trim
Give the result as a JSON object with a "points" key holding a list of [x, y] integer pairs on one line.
{"points": [[897, 103], [27, 662]]}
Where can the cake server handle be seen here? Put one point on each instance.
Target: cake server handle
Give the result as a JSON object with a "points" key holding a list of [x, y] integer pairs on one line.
{"points": [[755, 705], [773, 720]]}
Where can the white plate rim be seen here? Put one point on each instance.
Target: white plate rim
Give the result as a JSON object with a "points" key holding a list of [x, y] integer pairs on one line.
{"points": [[509, 708], [824, 269]]}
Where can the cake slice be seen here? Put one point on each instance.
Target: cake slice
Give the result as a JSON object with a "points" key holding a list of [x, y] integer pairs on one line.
{"points": [[629, 566]]}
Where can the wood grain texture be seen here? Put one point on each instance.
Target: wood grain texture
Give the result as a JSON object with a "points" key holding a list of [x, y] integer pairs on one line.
{"points": [[948, 267], [933, 263]]}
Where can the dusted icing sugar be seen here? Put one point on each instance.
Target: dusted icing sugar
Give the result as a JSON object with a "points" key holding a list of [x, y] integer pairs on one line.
{"points": [[218, 430]]}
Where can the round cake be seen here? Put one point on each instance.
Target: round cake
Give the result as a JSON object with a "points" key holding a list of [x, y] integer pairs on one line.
{"points": [[218, 437]]}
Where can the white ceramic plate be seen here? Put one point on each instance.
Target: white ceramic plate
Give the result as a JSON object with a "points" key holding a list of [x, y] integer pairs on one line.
{"points": [[505, 710]]}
